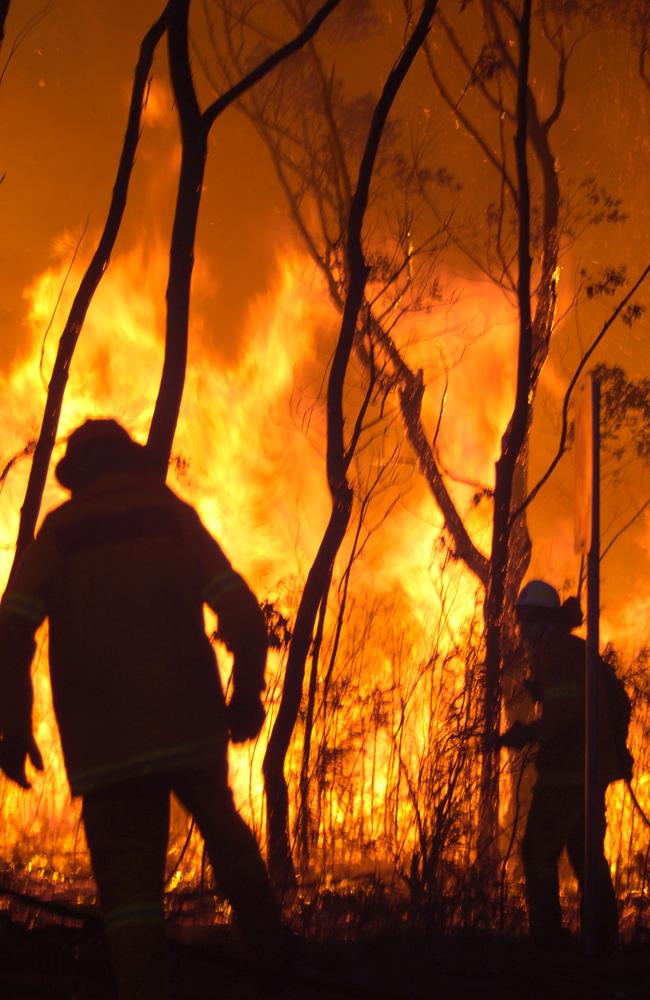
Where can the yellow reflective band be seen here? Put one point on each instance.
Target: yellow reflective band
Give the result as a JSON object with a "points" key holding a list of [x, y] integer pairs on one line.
{"points": [[25, 606], [218, 586]]}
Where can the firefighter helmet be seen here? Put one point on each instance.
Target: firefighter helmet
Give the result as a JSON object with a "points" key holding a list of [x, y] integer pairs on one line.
{"points": [[95, 448], [538, 594]]}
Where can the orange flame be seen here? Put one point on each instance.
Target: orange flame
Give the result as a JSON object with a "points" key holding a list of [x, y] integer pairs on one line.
{"points": [[249, 455]]}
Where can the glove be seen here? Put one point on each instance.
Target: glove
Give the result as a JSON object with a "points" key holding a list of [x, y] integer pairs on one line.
{"points": [[246, 716], [14, 751]]}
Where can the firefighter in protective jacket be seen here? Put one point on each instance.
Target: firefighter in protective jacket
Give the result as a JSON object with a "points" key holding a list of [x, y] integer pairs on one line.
{"points": [[122, 571], [556, 816]]}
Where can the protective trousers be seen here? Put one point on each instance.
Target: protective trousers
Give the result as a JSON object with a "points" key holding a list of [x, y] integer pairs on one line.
{"points": [[127, 829], [555, 821]]}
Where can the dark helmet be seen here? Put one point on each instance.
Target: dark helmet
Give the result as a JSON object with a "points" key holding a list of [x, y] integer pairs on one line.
{"points": [[97, 448]]}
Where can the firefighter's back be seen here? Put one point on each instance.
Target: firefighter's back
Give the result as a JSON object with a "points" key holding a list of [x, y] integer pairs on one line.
{"points": [[134, 677]]}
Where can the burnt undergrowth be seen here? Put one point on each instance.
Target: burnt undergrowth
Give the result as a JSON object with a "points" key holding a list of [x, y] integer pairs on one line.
{"points": [[360, 938]]}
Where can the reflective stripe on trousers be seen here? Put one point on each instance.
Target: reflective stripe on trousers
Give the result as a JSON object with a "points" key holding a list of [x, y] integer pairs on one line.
{"points": [[127, 828]]}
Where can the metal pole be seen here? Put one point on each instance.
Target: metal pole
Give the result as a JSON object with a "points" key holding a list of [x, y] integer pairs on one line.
{"points": [[592, 790]]}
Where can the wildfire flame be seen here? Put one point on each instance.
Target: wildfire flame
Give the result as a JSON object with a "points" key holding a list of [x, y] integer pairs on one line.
{"points": [[249, 454]]}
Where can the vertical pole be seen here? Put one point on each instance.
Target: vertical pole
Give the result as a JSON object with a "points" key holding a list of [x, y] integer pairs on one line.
{"points": [[592, 790]]}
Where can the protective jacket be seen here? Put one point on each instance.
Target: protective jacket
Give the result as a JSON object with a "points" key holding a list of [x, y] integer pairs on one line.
{"points": [[558, 669], [122, 572]]}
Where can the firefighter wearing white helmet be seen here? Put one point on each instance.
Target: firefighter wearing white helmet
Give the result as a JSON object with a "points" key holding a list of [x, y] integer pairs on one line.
{"points": [[538, 594], [556, 681]]}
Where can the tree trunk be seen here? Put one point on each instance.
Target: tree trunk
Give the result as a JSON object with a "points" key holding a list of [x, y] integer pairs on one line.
{"points": [[512, 445], [338, 459], [181, 263], [195, 127], [96, 269], [277, 795], [304, 818]]}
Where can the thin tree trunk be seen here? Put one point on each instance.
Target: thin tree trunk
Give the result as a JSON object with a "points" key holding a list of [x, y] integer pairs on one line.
{"points": [[338, 460], [195, 128], [513, 442], [304, 822], [194, 136], [74, 324]]}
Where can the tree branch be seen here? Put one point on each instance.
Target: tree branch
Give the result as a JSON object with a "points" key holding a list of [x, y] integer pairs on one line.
{"points": [[621, 531], [23, 33], [265, 67], [560, 97], [471, 129], [195, 127], [572, 384], [59, 379]]}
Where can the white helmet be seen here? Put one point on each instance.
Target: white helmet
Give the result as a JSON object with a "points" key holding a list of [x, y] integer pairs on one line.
{"points": [[538, 594]]}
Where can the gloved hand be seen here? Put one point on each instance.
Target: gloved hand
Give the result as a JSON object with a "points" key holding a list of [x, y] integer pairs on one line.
{"points": [[14, 751], [246, 716]]}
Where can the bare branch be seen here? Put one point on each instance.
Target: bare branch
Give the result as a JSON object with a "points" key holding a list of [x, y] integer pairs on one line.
{"points": [[195, 128], [471, 129], [269, 64], [572, 384], [621, 531], [23, 33], [475, 78], [92, 277], [58, 299], [358, 424], [340, 491], [560, 96]]}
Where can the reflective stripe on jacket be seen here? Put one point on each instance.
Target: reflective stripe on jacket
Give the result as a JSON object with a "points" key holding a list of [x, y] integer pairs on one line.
{"points": [[122, 571]]}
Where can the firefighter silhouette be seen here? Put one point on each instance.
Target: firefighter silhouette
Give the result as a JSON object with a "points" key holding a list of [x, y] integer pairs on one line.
{"points": [[556, 815], [122, 571]]}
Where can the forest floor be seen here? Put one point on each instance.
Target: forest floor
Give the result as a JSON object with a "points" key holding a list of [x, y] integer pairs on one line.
{"points": [[340, 953]]}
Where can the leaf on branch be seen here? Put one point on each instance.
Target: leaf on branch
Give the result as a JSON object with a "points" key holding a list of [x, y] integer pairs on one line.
{"points": [[489, 64], [277, 626], [632, 313], [444, 178], [597, 205], [625, 413], [605, 282]]}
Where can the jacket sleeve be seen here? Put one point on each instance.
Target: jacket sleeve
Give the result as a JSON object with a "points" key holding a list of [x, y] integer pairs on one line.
{"points": [[241, 622], [23, 608]]}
